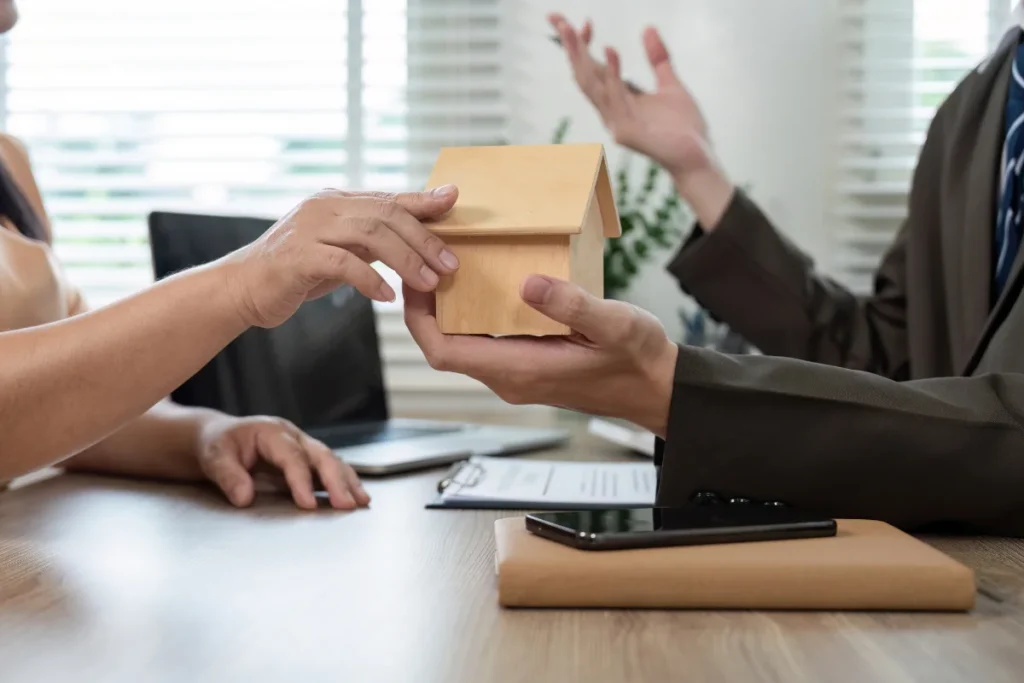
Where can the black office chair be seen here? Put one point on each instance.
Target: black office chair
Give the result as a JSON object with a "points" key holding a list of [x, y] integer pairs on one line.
{"points": [[320, 368]]}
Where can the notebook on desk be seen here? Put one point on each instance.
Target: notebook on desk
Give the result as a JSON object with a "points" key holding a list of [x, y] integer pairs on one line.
{"points": [[866, 566], [527, 484]]}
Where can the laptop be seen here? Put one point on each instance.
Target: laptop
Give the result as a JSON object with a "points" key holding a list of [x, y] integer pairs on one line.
{"points": [[321, 369]]}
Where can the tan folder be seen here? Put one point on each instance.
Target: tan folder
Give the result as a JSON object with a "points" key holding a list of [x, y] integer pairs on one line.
{"points": [[866, 566]]}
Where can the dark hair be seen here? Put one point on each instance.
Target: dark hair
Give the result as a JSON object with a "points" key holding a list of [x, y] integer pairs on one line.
{"points": [[16, 209]]}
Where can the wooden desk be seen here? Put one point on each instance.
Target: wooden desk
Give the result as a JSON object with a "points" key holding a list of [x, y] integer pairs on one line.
{"points": [[107, 580]]}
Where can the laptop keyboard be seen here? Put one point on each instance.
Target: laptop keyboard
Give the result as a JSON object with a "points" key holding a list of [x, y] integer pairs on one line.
{"points": [[378, 432]]}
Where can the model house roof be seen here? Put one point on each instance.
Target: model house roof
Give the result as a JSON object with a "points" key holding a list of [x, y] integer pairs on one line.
{"points": [[524, 190]]}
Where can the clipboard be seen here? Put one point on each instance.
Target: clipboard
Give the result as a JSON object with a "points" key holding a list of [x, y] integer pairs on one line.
{"points": [[619, 485], [621, 433]]}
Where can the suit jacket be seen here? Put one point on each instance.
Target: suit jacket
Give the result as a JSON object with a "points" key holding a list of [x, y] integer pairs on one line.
{"points": [[905, 406]]}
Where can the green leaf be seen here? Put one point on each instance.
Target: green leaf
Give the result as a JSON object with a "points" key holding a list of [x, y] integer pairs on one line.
{"points": [[657, 233], [640, 218], [611, 257], [616, 278], [668, 205], [644, 197], [614, 285], [641, 250], [628, 222], [650, 180], [561, 131], [628, 265], [622, 183]]}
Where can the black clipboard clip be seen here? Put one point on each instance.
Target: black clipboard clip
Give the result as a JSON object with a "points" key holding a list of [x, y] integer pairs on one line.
{"points": [[465, 473]]}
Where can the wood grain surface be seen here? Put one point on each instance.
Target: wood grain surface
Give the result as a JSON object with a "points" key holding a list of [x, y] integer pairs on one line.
{"points": [[483, 296], [110, 580]]}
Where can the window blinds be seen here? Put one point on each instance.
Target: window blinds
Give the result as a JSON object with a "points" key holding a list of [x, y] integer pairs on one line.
{"points": [[244, 107], [900, 59], [235, 106]]}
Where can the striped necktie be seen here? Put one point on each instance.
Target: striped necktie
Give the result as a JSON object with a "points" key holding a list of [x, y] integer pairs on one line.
{"points": [[1011, 198]]}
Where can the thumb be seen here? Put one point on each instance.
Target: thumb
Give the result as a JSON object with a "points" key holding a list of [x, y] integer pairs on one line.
{"points": [[603, 322], [430, 204], [225, 469], [657, 55]]}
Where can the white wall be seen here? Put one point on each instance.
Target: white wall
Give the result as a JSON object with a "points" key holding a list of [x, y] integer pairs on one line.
{"points": [[763, 72]]}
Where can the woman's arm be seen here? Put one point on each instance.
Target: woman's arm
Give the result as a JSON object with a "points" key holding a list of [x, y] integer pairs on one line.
{"points": [[67, 385], [176, 442], [162, 443], [182, 443]]}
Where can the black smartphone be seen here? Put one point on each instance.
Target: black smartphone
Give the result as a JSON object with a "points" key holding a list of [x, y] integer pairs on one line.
{"points": [[662, 527]]}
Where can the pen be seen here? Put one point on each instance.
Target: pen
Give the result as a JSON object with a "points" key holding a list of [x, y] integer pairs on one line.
{"points": [[635, 89]]}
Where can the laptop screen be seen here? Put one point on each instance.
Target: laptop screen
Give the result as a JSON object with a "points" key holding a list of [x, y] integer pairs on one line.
{"points": [[319, 368]]}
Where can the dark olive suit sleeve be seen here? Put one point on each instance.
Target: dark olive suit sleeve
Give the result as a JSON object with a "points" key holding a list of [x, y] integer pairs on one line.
{"points": [[847, 443], [839, 417], [748, 275]]}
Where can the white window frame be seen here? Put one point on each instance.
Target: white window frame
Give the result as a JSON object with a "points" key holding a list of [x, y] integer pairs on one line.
{"points": [[866, 213]]}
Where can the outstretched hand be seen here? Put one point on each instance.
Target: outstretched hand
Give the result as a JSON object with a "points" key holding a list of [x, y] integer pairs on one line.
{"points": [[330, 239], [666, 125], [617, 363]]}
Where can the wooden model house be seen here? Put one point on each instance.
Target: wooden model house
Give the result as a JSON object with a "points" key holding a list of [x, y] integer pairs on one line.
{"points": [[522, 210]]}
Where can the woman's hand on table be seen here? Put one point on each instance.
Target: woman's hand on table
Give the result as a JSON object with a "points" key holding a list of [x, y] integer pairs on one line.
{"points": [[234, 453]]}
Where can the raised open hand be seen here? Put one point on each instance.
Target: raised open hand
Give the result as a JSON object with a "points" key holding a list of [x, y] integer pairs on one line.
{"points": [[666, 125]]}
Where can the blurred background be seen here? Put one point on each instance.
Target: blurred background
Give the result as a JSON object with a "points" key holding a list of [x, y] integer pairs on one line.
{"points": [[817, 107]]}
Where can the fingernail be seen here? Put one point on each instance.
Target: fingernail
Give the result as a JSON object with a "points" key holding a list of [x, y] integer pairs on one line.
{"points": [[449, 260], [443, 191], [386, 293], [535, 289], [429, 276]]}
